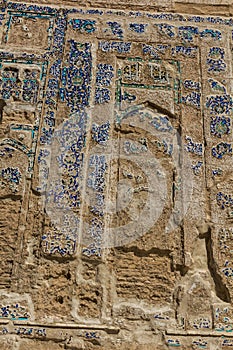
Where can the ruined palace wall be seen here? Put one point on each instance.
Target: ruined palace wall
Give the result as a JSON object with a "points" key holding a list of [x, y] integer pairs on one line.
{"points": [[116, 175]]}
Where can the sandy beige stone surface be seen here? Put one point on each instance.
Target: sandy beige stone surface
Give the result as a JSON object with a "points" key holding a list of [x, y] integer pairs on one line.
{"points": [[116, 179]]}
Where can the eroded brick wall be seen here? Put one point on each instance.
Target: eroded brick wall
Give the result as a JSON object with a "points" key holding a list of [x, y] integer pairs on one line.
{"points": [[116, 175]]}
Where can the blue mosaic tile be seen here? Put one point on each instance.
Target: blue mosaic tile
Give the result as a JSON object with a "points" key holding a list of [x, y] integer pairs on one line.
{"points": [[44, 153], [102, 95], [77, 78], [104, 74], [91, 335], [193, 147], [59, 35], [216, 52], [216, 66], [62, 241], [10, 84], [193, 85], [151, 50], [211, 33], [228, 271], [74, 90], [200, 343], [116, 29], [31, 8], [25, 331], [49, 118], [166, 29], [25, 89], [127, 97], [52, 90], [201, 323], [162, 123], [55, 69], [111, 46], [83, 25], [187, 33], [224, 200], [46, 136], [100, 133], [216, 86], [197, 168], [10, 177], [138, 27], [135, 14], [96, 232], [221, 149], [220, 125], [14, 312], [172, 342], [131, 147], [2, 17], [193, 99], [219, 104], [7, 151], [96, 181], [94, 12], [185, 51], [96, 178]]}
